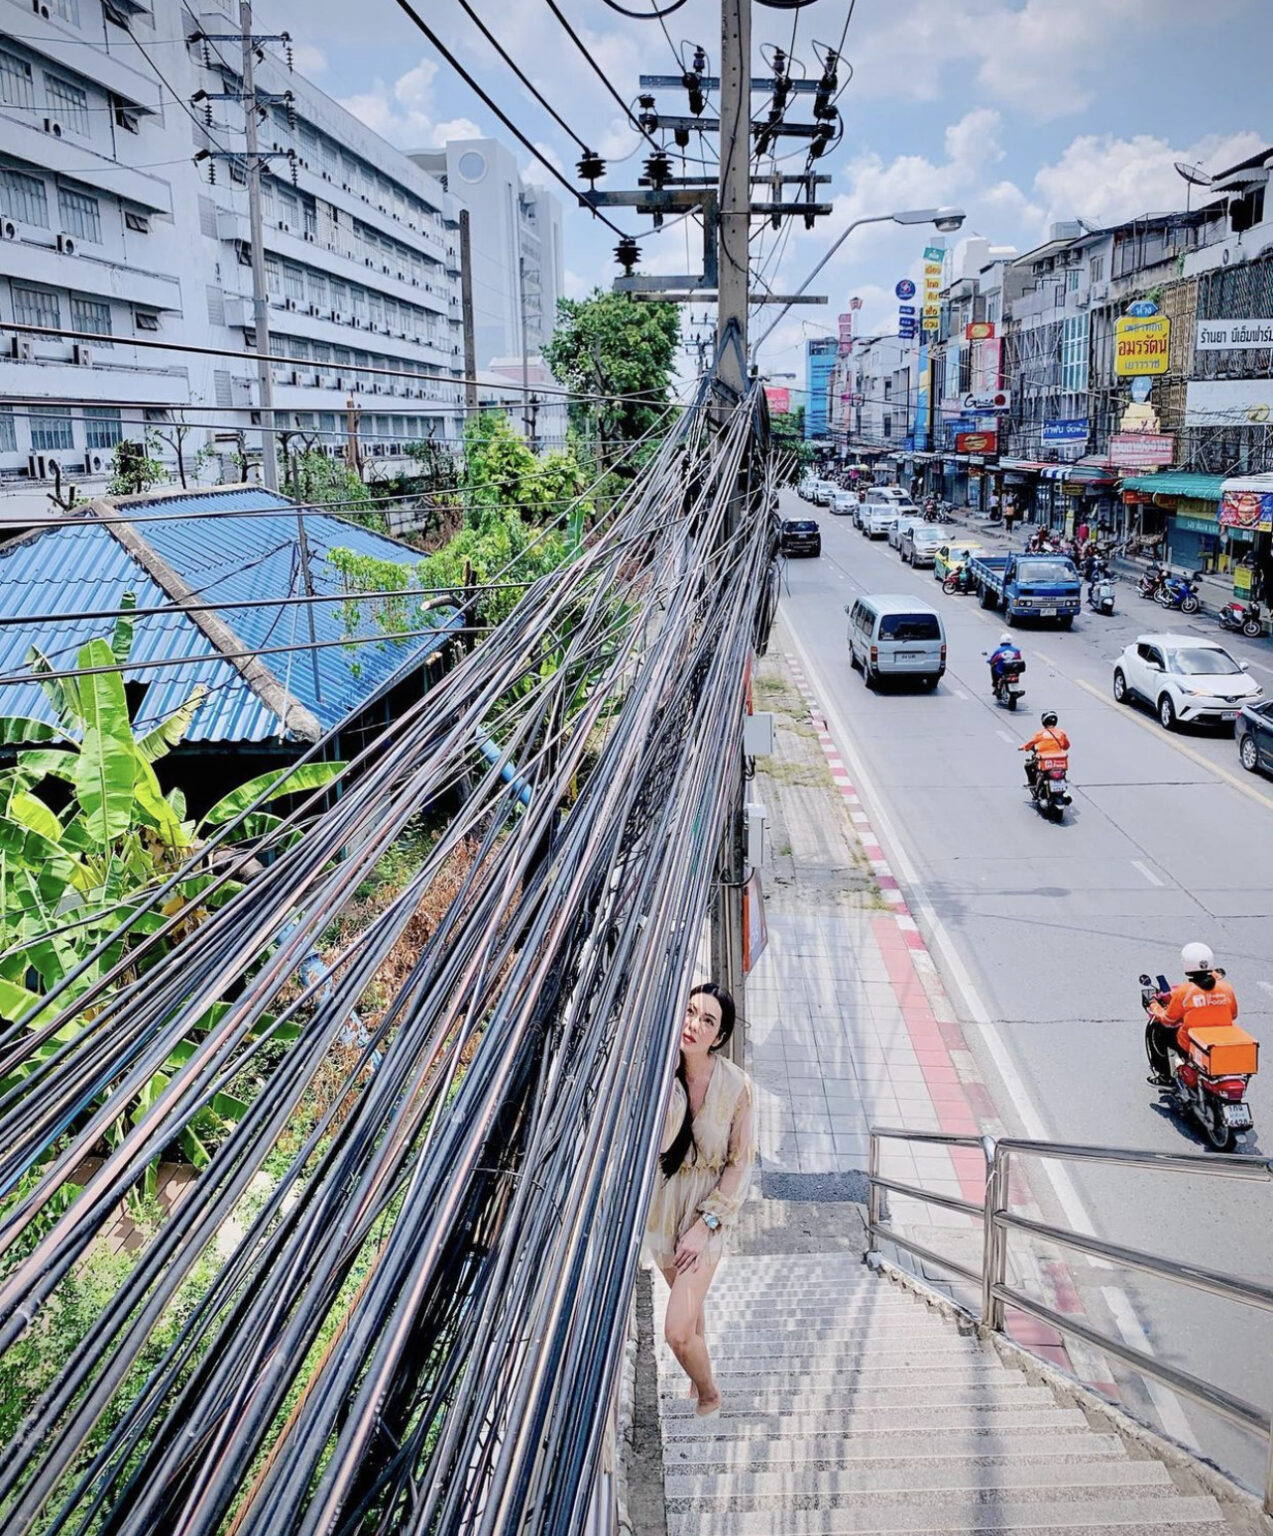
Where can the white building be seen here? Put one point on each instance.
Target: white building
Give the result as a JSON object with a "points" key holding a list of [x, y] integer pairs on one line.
{"points": [[111, 226], [515, 232]]}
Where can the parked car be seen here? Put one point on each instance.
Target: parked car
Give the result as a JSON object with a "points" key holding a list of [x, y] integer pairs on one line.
{"points": [[920, 543], [902, 524], [800, 536], [804, 488], [1185, 680], [822, 491], [843, 503], [892, 636], [951, 557], [1255, 737], [878, 519]]}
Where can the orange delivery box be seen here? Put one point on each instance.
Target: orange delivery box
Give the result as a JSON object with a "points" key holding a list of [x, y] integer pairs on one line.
{"points": [[1223, 1049]]}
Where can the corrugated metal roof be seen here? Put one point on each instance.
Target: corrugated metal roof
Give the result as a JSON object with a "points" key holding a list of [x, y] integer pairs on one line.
{"points": [[223, 559], [1177, 482]]}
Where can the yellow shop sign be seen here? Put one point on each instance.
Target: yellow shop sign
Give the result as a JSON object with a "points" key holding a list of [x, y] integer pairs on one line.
{"points": [[1142, 344]]}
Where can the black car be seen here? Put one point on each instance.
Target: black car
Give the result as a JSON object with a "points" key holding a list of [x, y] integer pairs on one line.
{"points": [[800, 536], [1255, 737]]}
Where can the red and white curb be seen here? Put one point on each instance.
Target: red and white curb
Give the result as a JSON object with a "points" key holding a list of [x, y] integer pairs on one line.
{"points": [[958, 1091]]}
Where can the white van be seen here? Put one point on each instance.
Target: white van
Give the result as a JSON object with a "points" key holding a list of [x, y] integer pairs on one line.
{"points": [[892, 636]]}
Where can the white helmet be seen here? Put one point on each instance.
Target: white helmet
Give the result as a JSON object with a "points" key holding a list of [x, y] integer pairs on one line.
{"points": [[1005, 638], [1197, 957]]}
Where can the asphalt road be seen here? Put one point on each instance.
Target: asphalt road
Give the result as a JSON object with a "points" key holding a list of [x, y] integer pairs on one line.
{"points": [[1168, 840]]}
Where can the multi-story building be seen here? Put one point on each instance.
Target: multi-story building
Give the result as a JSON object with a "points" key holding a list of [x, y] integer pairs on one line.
{"points": [[820, 354], [515, 231], [881, 392], [124, 205]]}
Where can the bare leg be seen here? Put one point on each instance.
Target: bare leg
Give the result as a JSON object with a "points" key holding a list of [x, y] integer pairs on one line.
{"points": [[683, 1329]]}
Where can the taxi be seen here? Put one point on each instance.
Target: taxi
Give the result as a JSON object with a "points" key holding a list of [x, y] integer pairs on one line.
{"points": [[951, 557]]}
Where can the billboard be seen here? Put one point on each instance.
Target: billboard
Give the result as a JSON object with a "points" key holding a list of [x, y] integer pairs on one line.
{"points": [[1251, 510], [976, 442], [1141, 345], [934, 257], [1059, 430], [1141, 450], [779, 400], [846, 333], [1229, 403], [1233, 335]]}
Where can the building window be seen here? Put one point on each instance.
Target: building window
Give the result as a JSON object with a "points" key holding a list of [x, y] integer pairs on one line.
{"points": [[68, 103], [66, 10], [1096, 269], [51, 431], [294, 283], [146, 319], [1072, 282], [8, 437], [91, 315], [102, 426], [80, 215], [36, 306], [1074, 338], [24, 198], [16, 89]]}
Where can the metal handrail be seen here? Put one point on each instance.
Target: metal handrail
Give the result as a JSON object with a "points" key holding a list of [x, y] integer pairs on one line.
{"points": [[997, 1221]]}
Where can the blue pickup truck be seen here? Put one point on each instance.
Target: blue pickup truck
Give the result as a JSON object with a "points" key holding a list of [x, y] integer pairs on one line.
{"points": [[1028, 586]]}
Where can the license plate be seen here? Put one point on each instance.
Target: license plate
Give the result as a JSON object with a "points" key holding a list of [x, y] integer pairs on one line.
{"points": [[1048, 613], [1230, 714], [909, 655], [1238, 1117]]}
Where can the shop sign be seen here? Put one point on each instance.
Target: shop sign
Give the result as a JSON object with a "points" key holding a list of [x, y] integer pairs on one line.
{"points": [[779, 400], [979, 330], [1251, 510], [846, 333], [1142, 344], [1142, 450], [1064, 429], [1189, 523], [976, 442], [987, 400], [1229, 403], [987, 365], [905, 289], [1233, 335]]}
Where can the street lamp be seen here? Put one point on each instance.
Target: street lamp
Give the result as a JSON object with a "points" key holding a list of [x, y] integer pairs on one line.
{"points": [[945, 219]]}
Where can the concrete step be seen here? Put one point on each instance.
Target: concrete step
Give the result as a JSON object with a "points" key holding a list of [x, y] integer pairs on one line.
{"points": [[739, 1376], [808, 1489], [849, 1355], [1008, 1392], [772, 1426], [967, 1514], [904, 1329], [913, 1453], [816, 1319]]}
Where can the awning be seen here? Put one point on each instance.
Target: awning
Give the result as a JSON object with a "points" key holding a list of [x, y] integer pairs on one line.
{"points": [[1056, 471], [1091, 474], [1179, 482], [1030, 466], [1258, 485]]}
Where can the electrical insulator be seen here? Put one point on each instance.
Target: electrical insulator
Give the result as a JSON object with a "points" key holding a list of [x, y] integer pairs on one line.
{"points": [[291, 110], [700, 60], [682, 138], [823, 133], [627, 253], [648, 118], [291, 155], [591, 167], [286, 39], [826, 86], [657, 169]]}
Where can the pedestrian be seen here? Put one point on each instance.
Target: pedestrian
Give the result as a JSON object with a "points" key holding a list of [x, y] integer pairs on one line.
{"points": [[705, 1162], [1009, 514], [1081, 534]]}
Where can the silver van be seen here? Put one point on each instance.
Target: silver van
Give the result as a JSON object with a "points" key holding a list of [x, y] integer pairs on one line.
{"points": [[892, 636]]}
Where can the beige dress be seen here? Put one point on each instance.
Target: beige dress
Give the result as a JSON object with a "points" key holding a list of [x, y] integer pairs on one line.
{"points": [[717, 1179]]}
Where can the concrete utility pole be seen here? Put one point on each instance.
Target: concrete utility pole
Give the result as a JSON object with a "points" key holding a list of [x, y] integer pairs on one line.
{"points": [[260, 299], [733, 286], [466, 315], [528, 421]]}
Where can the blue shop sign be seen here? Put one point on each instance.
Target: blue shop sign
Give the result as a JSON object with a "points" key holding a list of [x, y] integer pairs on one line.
{"points": [[905, 289], [1071, 429]]}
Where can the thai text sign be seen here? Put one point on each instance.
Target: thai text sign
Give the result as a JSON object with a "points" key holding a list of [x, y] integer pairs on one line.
{"points": [[1233, 335], [1141, 450], [1064, 429], [979, 330], [976, 442], [779, 400], [846, 333], [1141, 345], [1252, 510], [1229, 403]]}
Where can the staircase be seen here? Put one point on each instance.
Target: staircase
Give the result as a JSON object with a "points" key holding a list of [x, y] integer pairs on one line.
{"points": [[850, 1406]]}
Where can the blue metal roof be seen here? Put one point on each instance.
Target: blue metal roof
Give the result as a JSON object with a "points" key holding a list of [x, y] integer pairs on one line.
{"points": [[223, 559]]}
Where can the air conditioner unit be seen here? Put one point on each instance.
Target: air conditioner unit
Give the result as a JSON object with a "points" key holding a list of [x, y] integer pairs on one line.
{"points": [[378, 449], [22, 349], [82, 354], [40, 9], [97, 463], [415, 282], [314, 309], [338, 382], [294, 377], [8, 230], [356, 323], [325, 176], [66, 245], [336, 315], [309, 235], [384, 266], [367, 261], [41, 466], [1097, 292], [289, 303], [286, 228]]}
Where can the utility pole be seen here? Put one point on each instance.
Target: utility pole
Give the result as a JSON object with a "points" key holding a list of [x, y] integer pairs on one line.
{"points": [[733, 287], [528, 423], [260, 300], [466, 315]]}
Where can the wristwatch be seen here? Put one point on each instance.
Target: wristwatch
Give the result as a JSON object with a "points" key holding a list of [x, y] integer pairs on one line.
{"points": [[710, 1220]]}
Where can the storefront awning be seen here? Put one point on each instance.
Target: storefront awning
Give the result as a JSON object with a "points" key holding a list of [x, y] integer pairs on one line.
{"points": [[1178, 482], [1090, 474], [1257, 485], [1056, 471], [1026, 466]]}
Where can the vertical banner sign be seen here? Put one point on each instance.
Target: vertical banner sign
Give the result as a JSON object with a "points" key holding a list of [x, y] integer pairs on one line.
{"points": [[846, 334], [934, 256], [907, 320]]}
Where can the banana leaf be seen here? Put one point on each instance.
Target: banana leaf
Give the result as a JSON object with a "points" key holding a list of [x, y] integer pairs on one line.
{"points": [[272, 786]]}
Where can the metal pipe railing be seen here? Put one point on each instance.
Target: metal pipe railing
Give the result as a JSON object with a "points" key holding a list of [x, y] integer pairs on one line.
{"points": [[998, 1220]]}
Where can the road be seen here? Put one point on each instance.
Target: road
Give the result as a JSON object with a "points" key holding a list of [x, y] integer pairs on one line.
{"points": [[1168, 840]]}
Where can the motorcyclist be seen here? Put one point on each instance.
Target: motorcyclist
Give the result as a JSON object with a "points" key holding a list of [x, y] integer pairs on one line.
{"points": [[1203, 999], [1051, 741], [1007, 650]]}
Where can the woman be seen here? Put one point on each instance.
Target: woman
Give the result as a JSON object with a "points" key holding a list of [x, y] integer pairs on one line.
{"points": [[705, 1164]]}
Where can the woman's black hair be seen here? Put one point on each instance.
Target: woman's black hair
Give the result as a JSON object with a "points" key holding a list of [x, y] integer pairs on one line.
{"points": [[683, 1142]]}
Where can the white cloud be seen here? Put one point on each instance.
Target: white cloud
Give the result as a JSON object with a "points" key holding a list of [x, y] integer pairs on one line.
{"points": [[309, 60], [403, 112]]}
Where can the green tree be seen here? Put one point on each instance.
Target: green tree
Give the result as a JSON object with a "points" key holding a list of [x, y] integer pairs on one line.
{"points": [[611, 344], [133, 470]]}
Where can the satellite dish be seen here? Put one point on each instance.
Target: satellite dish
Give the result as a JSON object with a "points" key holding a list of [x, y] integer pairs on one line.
{"points": [[1193, 174]]}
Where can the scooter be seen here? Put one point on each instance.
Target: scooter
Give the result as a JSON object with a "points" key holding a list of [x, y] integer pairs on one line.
{"points": [[959, 581], [1150, 584], [1005, 684], [1180, 592], [1209, 1083], [1243, 618], [1100, 591], [1049, 786]]}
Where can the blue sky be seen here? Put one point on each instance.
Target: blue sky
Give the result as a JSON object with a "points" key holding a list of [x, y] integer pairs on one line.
{"points": [[1020, 111]]}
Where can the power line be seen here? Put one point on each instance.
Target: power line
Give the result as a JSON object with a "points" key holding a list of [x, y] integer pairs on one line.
{"points": [[596, 68]]}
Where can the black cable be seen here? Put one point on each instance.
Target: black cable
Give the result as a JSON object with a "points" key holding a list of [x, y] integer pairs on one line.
{"points": [[651, 15], [598, 71]]}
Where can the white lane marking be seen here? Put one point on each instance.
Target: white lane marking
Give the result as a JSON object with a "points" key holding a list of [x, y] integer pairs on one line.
{"points": [[1170, 1413], [960, 694], [1262, 666], [1267, 985], [1003, 736], [1142, 868]]}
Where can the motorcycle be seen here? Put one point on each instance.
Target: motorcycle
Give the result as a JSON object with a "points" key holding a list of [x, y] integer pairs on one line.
{"points": [[1049, 784], [1210, 1083], [937, 511], [1180, 592], [1151, 582], [958, 581], [1243, 618], [1100, 591], [1005, 684]]}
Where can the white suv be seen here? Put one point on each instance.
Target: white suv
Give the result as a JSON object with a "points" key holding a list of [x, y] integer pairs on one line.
{"points": [[1184, 679], [843, 503]]}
